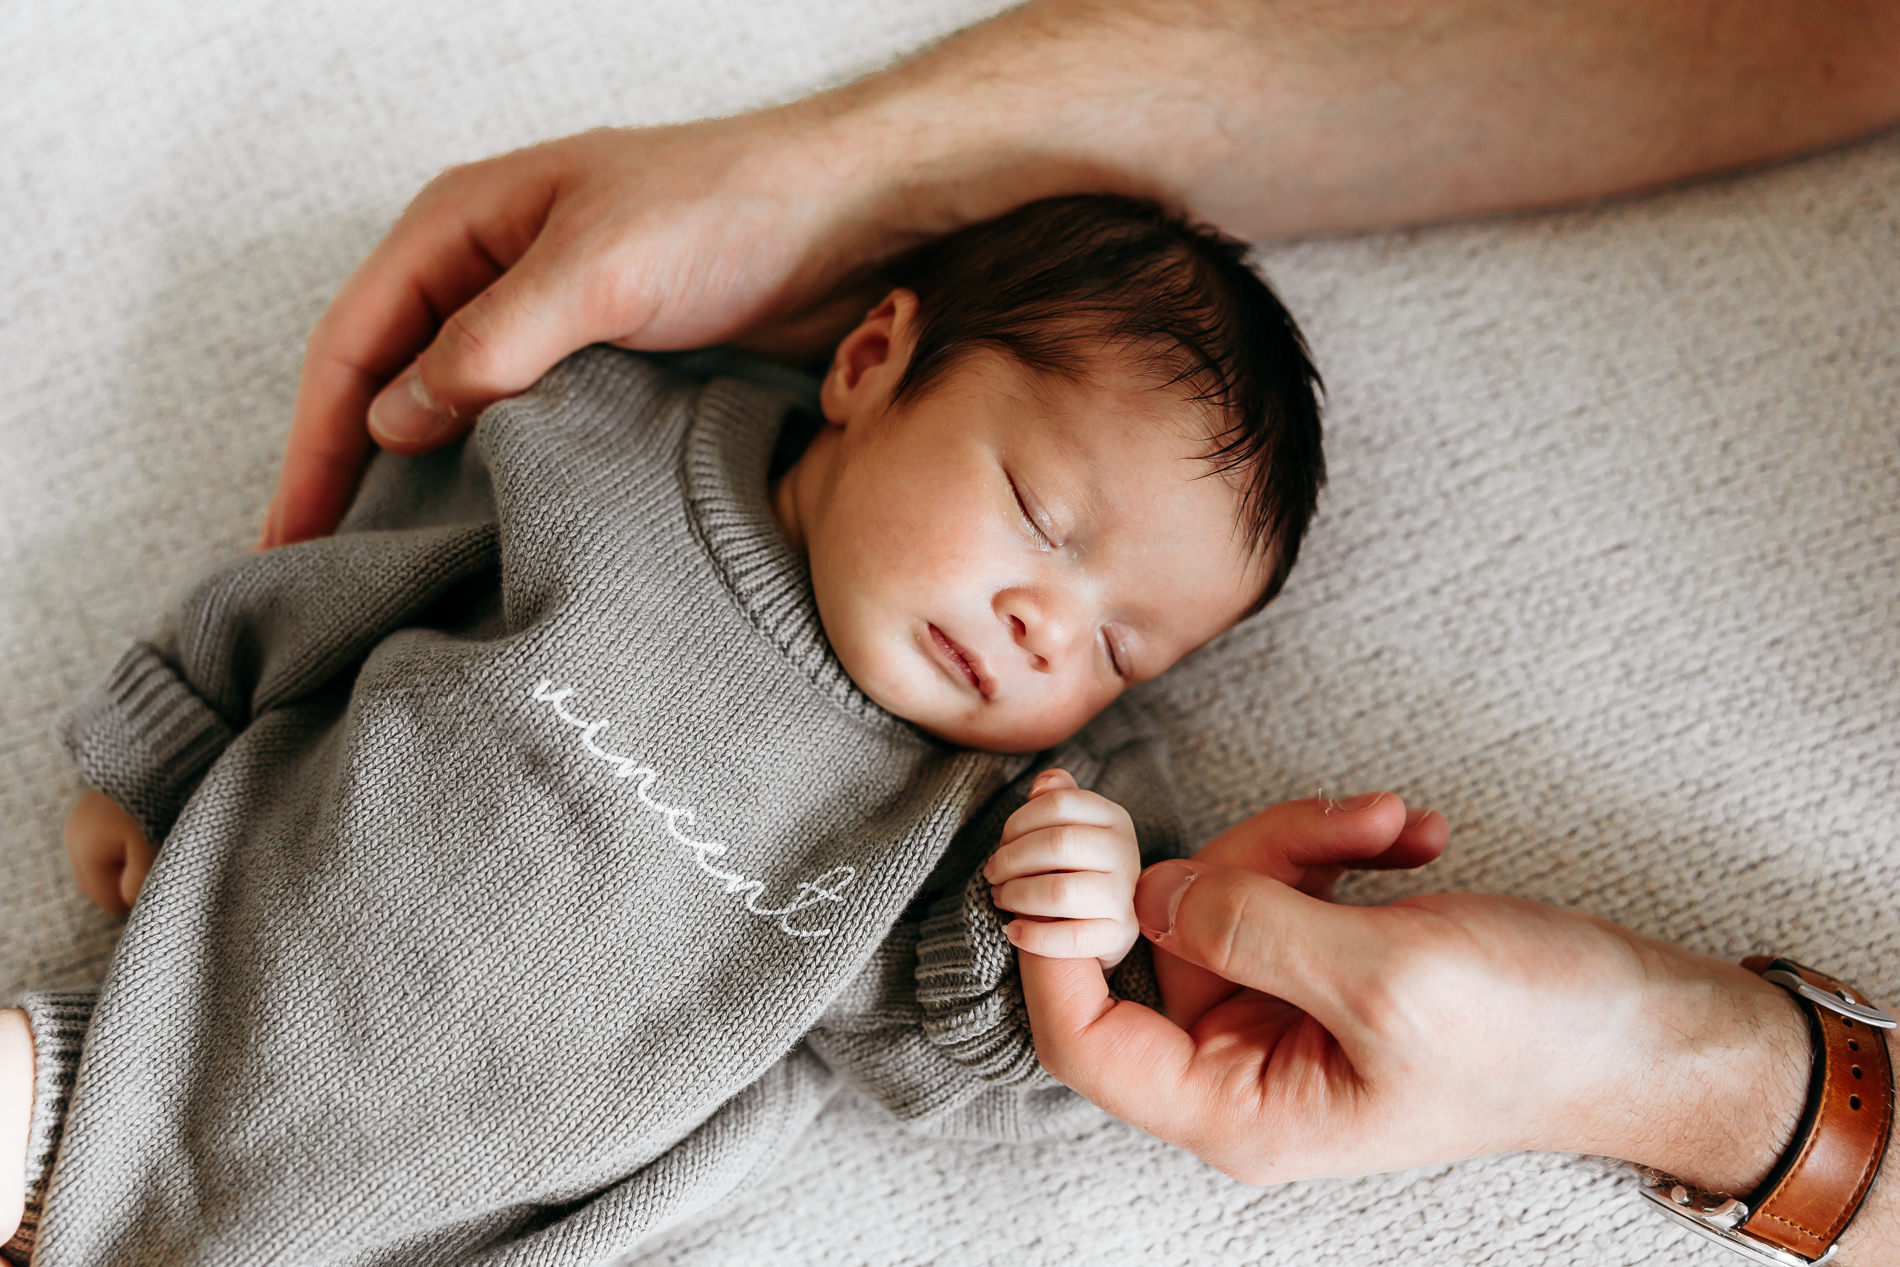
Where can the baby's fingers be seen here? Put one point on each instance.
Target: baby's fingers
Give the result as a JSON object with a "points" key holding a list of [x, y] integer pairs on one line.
{"points": [[1070, 938], [1067, 895], [98, 878], [1065, 804], [1065, 847], [139, 856]]}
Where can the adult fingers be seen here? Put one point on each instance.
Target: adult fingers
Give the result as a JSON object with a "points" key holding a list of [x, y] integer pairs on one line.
{"points": [[1307, 844], [1140, 1066], [1422, 840], [1126, 1058], [460, 235], [1283, 840], [495, 345], [1258, 932], [1210, 1099]]}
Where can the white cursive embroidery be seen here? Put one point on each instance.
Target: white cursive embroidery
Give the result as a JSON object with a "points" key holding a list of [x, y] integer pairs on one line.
{"points": [[826, 888]]}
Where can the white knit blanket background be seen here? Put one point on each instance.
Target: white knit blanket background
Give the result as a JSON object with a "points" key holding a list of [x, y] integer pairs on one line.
{"points": [[1606, 572]]}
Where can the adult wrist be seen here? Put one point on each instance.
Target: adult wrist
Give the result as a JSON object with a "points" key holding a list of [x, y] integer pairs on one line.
{"points": [[1008, 111], [1726, 1060], [1821, 1198]]}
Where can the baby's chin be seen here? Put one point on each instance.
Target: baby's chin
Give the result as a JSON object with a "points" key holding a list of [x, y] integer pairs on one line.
{"points": [[986, 741], [989, 729]]}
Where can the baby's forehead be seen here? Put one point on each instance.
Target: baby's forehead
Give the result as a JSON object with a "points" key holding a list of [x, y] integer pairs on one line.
{"points": [[1118, 415], [1115, 388]]}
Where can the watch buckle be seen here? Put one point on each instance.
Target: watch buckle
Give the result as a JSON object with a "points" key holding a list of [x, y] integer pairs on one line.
{"points": [[1720, 1223], [1839, 1002]]}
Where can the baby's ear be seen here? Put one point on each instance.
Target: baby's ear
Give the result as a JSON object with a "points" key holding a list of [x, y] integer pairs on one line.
{"points": [[870, 361]]}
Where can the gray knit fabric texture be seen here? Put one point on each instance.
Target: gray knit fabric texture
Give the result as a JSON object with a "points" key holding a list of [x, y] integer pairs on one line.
{"points": [[1608, 569], [508, 840], [58, 1019]]}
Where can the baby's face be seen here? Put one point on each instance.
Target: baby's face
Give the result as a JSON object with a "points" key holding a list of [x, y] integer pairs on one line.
{"points": [[999, 560]]}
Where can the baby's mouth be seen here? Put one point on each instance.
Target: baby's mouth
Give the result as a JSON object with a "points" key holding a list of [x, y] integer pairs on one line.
{"points": [[961, 661]]}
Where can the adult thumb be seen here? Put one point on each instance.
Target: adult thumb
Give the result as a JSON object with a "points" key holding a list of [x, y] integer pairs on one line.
{"points": [[1254, 931], [495, 345]]}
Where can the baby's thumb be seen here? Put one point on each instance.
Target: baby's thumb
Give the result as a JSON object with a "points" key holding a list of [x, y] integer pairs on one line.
{"points": [[1051, 781]]}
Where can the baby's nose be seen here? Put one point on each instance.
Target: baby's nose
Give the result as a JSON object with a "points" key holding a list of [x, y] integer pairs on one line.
{"points": [[1043, 631]]}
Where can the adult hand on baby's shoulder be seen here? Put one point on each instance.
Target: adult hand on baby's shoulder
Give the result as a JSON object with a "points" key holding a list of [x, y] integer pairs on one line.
{"points": [[1067, 864], [655, 238], [110, 855]]}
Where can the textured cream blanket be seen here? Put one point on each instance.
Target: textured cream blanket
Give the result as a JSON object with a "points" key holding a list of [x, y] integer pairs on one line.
{"points": [[1609, 570]]}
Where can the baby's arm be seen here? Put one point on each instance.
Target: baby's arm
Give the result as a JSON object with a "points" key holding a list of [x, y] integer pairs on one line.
{"points": [[109, 851], [1068, 864]]}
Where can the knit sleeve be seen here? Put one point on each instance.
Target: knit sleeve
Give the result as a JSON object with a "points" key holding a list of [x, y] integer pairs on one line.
{"points": [[271, 628], [143, 736], [936, 1029], [58, 1020]]}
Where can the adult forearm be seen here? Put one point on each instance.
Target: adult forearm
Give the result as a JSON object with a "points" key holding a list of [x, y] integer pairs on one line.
{"points": [[1875, 1233], [1290, 117], [1730, 1056]]}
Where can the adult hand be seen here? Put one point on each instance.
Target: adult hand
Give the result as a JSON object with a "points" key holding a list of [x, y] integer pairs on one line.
{"points": [[1270, 123], [658, 238], [1326, 1040]]}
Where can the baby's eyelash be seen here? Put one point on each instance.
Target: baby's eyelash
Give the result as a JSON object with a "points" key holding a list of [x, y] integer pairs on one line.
{"points": [[1028, 518], [1114, 656]]}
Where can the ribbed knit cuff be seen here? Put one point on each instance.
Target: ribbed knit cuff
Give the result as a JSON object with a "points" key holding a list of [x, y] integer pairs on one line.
{"points": [[970, 992], [58, 1019], [144, 738]]}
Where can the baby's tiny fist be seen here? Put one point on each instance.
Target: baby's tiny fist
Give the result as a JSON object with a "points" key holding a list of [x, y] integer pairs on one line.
{"points": [[109, 852], [1068, 865]]}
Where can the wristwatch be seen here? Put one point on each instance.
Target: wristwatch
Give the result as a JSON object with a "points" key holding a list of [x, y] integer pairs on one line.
{"points": [[1797, 1215]]}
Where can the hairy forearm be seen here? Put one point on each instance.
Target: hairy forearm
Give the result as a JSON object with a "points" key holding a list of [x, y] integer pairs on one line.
{"points": [[1875, 1232], [1301, 116], [1730, 1056]]}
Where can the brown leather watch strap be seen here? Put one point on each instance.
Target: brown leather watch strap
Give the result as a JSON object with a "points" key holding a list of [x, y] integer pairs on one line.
{"points": [[1816, 1188]]}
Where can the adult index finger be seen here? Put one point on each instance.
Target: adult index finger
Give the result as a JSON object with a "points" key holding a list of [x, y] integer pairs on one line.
{"points": [[459, 235], [1126, 1058], [1283, 840]]}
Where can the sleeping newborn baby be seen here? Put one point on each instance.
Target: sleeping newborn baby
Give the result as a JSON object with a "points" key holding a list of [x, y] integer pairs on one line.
{"points": [[535, 855]]}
